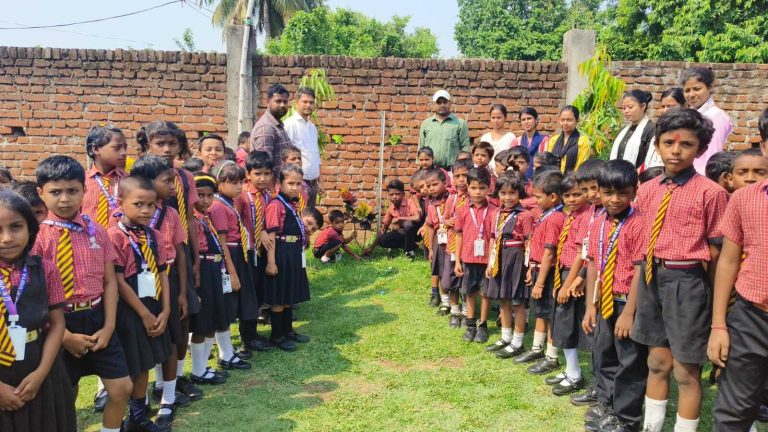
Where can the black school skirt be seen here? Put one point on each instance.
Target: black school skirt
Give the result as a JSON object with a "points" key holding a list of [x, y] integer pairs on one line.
{"points": [[247, 304], [142, 352], [216, 311], [174, 318], [193, 304], [509, 283], [290, 286], [53, 409]]}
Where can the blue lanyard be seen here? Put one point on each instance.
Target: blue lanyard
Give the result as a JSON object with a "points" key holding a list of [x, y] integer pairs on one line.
{"points": [[231, 207], [253, 211], [5, 292], [298, 219], [216, 243], [77, 228], [155, 217], [110, 198], [135, 245], [549, 213], [612, 241]]}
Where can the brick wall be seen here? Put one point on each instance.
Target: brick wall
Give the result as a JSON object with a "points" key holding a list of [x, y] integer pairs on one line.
{"points": [[740, 89], [56, 95], [403, 88]]}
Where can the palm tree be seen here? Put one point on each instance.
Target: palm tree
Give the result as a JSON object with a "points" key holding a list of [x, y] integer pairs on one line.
{"points": [[271, 15]]}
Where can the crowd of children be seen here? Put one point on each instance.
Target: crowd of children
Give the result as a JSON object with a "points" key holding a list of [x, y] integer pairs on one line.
{"points": [[109, 273]]}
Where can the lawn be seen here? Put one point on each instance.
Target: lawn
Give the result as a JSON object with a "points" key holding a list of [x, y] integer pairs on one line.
{"points": [[379, 359]]}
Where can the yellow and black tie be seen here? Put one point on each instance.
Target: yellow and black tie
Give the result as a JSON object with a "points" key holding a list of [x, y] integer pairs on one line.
{"points": [[102, 210], [302, 203], [657, 224], [459, 204], [7, 352], [606, 293], [149, 257], [259, 218], [560, 246], [182, 206], [65, 262], [497, 246], [243, 237]]}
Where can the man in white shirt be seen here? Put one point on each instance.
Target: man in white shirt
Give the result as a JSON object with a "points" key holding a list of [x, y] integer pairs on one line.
{"points": [[304, 135]]}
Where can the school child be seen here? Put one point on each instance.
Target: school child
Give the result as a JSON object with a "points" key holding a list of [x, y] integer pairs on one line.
{"points": [[512, 228], [286, 283], [650, 173], [540, 277], [501, 162], [90, 345], [292, 155], [749, 167], [719, 168], [28, 191], [106, 147], [473, 229], [313, 220], [243, 148], [35, 393], [482, 155], [331, 239], [425, 160], [437, 234], [193, 165], [234, 236], [402, 212], [6, 179], [251, 206], [420, 199], [544, 159], [455, 202], [463, 155], [210, 149], [229, 154], [737, 341], [569, 309], [144, 298], [165, 220], [615, 249], [682, 213]]}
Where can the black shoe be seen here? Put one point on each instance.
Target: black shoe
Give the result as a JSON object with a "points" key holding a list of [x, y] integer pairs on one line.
{"points": [[221, 373], [411, 255], [469, 336], [233, 363], [263, 317], [568, 386], [482, 335], [285, 345], [601, 424], [596, 412], [589, 397], [444, 310], [544, 366], [463, 321], [529, 357], [499, 345], [143, 425], [208, 378], [554, 379], [510, 352], [762, 414], [185, 386], [244, 353], [165, 421], [455, 321], [297, 337], [618, 426], [100, 401], [434, 300], [260, 345]]}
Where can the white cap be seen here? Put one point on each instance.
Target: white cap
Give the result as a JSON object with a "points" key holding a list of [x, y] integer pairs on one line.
{"points": [[441, 94]]}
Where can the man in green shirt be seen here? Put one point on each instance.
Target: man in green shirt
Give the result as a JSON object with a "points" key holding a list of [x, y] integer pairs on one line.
{"points": [[443, 132]]}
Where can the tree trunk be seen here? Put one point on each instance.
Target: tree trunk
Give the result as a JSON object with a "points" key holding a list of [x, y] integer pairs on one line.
{"points": [[266, 20], [244, 56]]}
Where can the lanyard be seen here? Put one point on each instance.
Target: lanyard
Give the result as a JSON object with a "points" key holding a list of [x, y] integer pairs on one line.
{"points": [[440, 217], [549, 213], [77, 228], [612, 241], [135, 245], [5, 292], [500, 229], [481, 227], [231, 207], [110, 198], [296, 216], [155, 217], [207, 227], [253, 208]]}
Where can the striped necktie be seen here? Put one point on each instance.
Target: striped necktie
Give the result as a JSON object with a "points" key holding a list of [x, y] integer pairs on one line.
{"points": [[7, 353], [102, 211], [259, 218], [182, 206], [243, 237], [460, 200], [497, 247], [302, 203], [66, 262], [657, 224], [606, 293], [149, 257], [560, 246]]}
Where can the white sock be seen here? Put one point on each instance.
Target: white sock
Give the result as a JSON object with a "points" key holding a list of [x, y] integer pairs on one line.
{"points": [[538, 341], [517, 339], [325, 259], [169, 392], [506, 334], [208, 345], [445, 299], [180, 367], [685, 425], [551, 351], [106, 429], [572, 368], [455, 309], [224, 341], [655, 411], [159, 375], [199, 358]]}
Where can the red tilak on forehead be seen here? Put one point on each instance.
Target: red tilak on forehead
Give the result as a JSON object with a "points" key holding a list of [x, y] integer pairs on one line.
{"points": [[676, 136]]}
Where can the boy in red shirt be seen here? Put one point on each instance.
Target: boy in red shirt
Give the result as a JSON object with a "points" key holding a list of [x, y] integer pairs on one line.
{"points": [[106, 147], [405, 214], [474, 228], [437, 234], [331, 239], [682, 212], [457, 200]]}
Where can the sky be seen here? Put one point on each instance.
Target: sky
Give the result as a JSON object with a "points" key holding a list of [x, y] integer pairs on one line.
{"points": [[157, 29]]}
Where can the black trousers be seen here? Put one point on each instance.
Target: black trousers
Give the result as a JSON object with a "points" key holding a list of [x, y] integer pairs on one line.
{"points": [[404, 238], [621, 369], [742, 384]]}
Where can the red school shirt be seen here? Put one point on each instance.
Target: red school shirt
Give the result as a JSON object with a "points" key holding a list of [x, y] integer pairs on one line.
{"points": [[126, 259], [52, 276], [407, 208], [523, 229], [202, 241], [90, 258], [471, 229], [225, 219], [93, 191], [243, 207], [629, 243], [546, 233], [571, 248], [326, 235], [171, 231], [455, 202]]}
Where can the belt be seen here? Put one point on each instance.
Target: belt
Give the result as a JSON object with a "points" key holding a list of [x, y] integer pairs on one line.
{"points": [[534, 265], [233, 244], [81, 306], [677, 265], [288, 238], [564, 268], [622, 298], [171, 262], [33, 335], [212, 258], [512, 243]]}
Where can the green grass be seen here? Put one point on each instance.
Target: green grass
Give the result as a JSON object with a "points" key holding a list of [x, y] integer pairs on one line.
{"points": [[379, 360]]}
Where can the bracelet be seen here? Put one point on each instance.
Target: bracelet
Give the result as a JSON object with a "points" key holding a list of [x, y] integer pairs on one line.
{"points": [[719, 327]]}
